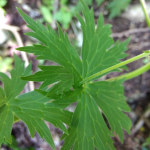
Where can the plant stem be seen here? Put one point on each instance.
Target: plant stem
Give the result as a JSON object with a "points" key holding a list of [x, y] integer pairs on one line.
{"points": [[144, 54], [132, 74], [143, 4]]}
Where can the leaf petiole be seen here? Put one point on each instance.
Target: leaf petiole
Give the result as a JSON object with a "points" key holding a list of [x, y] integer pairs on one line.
{"points": [[132, 74], [144, 54]]}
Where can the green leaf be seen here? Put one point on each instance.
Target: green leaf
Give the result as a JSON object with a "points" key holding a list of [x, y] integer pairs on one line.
{"points": [[53, 74], [99, 2], [2, 96], [64, 17], [46, 13], [66, 99], [6, 119], [87, 127], [114, 6], [89, 2], [3, 3], [114, 106], [6, 64], [147, 142], [117, 6], [32, 108], [12, 87]]}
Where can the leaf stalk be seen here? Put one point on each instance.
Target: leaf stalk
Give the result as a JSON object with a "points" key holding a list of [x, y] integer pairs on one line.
{"points": [[144, 54], [132, 74]]}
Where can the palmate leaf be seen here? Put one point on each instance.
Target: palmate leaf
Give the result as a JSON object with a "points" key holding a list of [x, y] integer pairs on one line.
{"points": [[32, 108], [87, 128]]}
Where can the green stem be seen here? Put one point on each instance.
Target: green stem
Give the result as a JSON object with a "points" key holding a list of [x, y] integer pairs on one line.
{"points": [[146, 53], [143, 4], [132, 74]]}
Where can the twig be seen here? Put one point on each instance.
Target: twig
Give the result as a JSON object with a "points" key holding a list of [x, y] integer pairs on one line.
{"points": [[142, 120], [56, 5], [15, 30], [139, 46], [131, 31]]}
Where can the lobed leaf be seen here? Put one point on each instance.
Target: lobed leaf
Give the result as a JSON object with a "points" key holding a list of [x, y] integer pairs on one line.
{"points": [[112, 103], [12, 87], [87, 127], [32, 108]]}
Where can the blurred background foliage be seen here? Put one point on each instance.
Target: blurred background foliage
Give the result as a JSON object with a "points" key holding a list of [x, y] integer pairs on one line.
{"points": [[66, 11], [6, 64], [146, 145]]}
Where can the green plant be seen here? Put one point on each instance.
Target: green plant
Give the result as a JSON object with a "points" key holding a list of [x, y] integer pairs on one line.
{"points": [[46, 12], [73, 80], [114, 6], [31, 107], [3, 3], [63, 15], [117, 6], [2, 11], [5, 64], [146, 144]]}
